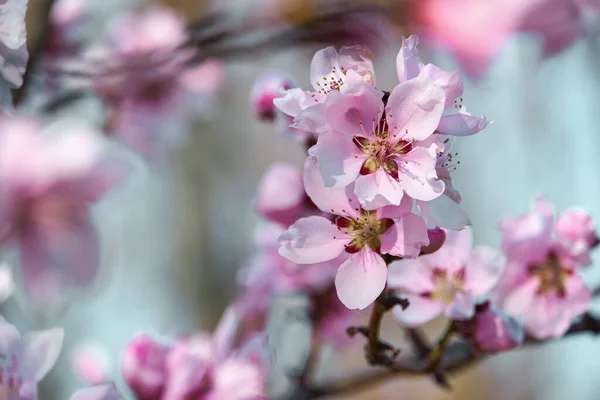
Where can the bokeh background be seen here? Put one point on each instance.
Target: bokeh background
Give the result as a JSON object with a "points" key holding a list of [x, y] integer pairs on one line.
{"points": [[175, 234]]}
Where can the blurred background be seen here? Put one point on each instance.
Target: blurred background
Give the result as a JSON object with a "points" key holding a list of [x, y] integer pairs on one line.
{"points": [[176, 233]]}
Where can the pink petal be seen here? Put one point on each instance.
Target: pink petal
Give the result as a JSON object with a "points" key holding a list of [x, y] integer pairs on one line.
{"points": [[10, 338], [520, 298], [377, 190], [41, 352], [295, 100], [418, 176], [547, 317], [407, 61], [107, 391], [58, 257], [462, 307], [334, 200], [444, 212], [256, 350], [338, 158], [393, 212], [460, 124], [226, 331], [312, 240], [356, 110], [236, 380], [361, 279], [579, 296], [415, 106], [406, 237], [322, 66], [483, 270], [280, 194], [410, 275], [450, 82], [90, 362], [454, 253], [358, 59], [420, 311]]}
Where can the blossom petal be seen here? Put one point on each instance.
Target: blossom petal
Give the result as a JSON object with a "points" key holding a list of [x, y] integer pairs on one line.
{"points": [[107, 391], [10, 339], [462, 307], [407, 60], [410, 275], [420, 311], [312, 240], [415, 106], [360, 279], [455, 252], [450, 82], [579, 296], [444, 212], [484, 268], [460, 124], [280, 194], [358, 59], [295, 100], [547, 317], [227, 328], [356, 110], [406, 237], [418, 176], [517, 301], [339, 159], [322, 65], [339, 201], [41, 352], [377, 190]]}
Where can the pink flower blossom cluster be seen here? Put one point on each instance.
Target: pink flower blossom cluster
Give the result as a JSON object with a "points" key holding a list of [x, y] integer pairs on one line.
{"points": [[378, 174], [201, 366]]}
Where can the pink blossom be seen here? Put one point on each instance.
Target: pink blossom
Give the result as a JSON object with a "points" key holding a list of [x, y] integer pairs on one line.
{"points": [[384, 153], [148, 103], [455, 120], [541, 283], [280, 195], [445, 282], [201, 366], [364, 234], [268, 87], [106, 391], [576, 232], [492, 331], [330, 72], [90, 362], [26, 361], [47, 191], [143, 366]]}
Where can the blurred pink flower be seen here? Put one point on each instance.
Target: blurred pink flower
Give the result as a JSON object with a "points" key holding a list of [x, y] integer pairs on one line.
{"points": [[492, 331], [361, 233], [151, 105], [385, 154], [268, 87], [90, 362], [541, 283], [26, 361], [106, 391], [445, 282], [200, 366], [143, 366], [280, 194], [50, 176]]}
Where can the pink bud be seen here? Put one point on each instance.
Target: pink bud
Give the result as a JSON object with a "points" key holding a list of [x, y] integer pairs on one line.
{"points": [[143, 367], [437, 237], [491, 330], [268, 87], [280, 195]]}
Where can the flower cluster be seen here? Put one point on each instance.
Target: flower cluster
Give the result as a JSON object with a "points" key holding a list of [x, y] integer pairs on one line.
{"points": [[378, 174], [201, 366]]}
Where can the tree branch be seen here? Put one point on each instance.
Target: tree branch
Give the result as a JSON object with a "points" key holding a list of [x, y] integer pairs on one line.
{"points": [[456, 357]]}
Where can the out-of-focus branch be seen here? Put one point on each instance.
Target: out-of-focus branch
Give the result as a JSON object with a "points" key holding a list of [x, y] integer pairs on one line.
{"points": [[456, 357], [35, 49]]}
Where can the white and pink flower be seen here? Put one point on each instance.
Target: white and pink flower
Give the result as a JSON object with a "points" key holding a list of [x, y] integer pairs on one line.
{"points": [[541, 284], [447, 282]]}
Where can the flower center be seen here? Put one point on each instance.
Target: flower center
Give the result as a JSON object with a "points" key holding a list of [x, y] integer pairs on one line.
{"points": [[551, 274], [446, 287], [334, 81], [382, 148], [365, 230]]}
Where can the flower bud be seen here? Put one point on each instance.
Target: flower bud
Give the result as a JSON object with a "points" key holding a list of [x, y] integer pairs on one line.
{"points": [[267, 88], [143, 366], [437, 237]]}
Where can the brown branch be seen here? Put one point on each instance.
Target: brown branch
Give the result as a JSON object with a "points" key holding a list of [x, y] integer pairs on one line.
{"points": [[456, 357]]}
